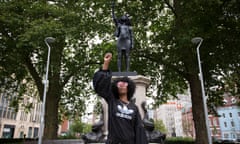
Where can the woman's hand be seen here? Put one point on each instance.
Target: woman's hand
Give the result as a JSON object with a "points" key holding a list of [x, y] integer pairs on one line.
{"points": [[107, 59]]}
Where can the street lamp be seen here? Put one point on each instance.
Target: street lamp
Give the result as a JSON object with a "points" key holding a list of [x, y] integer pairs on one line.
{"points": [[199, 40], [47, 40]]}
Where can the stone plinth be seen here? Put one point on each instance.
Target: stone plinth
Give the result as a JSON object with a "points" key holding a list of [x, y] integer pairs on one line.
{"points": [[142, 84], [127, 74]]}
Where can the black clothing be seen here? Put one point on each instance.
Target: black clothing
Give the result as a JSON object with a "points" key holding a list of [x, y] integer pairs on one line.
{"points": [[124, 123]]}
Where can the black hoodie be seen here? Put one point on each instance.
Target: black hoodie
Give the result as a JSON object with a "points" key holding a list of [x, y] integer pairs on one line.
{"points": [[124, 122]]}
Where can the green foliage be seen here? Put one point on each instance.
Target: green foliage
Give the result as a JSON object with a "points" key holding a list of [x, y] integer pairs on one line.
{"points": [[80, 127], [67, 135], [23, 27], [179, 140], [98, 108], [77, 128], [159, 125]]}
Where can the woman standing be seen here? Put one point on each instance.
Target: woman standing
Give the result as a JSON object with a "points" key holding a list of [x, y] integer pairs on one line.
{"points": [[124, 121]]}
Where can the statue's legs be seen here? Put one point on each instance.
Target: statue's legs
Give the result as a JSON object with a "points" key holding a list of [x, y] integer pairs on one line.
{"points": [[119, 59], [127, 59]]}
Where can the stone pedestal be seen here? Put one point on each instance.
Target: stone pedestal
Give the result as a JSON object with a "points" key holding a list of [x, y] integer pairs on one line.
{"points": [[105, 116], [142, 83]]}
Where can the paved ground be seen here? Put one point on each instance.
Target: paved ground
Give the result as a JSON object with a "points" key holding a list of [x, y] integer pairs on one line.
{"points": [[61, 142], [68, 141]]}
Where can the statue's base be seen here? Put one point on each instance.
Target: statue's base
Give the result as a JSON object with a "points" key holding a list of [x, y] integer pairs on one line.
{"points": [[124, 74]]}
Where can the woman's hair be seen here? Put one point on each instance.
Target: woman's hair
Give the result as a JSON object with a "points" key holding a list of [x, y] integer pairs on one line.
{"points": [[130, 88]]}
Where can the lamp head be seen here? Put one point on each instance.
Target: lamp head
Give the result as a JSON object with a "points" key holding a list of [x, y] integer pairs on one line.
{"points": [[197, 40], [49, 39]]}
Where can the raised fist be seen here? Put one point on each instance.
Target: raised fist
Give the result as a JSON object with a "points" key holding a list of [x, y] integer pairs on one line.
{"points": [[108, 57]]}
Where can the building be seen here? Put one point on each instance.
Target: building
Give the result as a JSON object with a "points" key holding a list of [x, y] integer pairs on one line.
{"points": [[171, 115], [214, 126], [24, 123], [229, 119], [64, 127], [178, 130], [188, 123]]}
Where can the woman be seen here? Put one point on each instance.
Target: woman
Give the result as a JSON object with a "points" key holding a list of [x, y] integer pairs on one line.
{"points": [[124, 121]]}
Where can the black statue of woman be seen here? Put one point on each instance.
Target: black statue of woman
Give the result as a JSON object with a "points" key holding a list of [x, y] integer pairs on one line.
{"points": [[153, 136], [125, 38]]}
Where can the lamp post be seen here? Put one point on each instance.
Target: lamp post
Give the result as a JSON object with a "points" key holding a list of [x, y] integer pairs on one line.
{"points": [[199, 40], [47, 40]]}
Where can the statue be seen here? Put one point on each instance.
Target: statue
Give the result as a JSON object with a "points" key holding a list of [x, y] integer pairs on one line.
{"points": [[153, 136], [97, 134], [125, 38]]}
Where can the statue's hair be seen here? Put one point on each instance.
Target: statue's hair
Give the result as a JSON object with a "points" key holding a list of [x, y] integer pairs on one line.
{"points": [[130, 88], [125, 19]]}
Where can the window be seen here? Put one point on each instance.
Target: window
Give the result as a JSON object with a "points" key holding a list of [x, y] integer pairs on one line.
{"points": [[21, 134], [4, 113], [215, 122], [230, 114], [223, 115], [1, 111], [35, 133], [233, 135], [232, 123], [210, 122], [225, 124], [238, 114], [21, 115], [226, 135], [30, 132], [238, 135]]}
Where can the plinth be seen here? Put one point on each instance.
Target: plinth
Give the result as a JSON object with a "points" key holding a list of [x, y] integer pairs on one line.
{"points": [[126, 74]]}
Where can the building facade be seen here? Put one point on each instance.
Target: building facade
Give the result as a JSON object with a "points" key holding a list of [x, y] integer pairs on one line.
{"points": [[214, 126], [229, 119], [171, 113], [171, 117], [225, 126], [188, 123], [230, 122], [23, 123]]}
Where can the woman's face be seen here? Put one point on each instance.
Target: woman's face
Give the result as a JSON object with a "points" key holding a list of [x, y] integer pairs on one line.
{"points": [[122, 87]]}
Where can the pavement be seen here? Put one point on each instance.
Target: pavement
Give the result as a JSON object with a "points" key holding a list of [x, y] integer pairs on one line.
{"points": [[63, 141], [67, 141]]}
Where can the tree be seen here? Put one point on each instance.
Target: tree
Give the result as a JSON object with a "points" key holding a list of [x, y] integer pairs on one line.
{"points": [[24, 25], [173, 57]]}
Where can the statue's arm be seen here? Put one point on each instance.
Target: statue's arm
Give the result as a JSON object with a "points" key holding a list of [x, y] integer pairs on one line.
{"points": [[131, 37], [113, 14]]}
